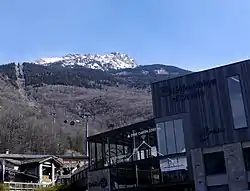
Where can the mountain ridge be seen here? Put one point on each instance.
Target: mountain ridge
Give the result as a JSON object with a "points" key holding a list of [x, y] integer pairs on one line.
{"points": [[49, 97], [113, 60]]}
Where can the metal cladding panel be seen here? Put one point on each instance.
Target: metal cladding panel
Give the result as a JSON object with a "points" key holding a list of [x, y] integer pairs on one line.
{"points": [[204, 98]]}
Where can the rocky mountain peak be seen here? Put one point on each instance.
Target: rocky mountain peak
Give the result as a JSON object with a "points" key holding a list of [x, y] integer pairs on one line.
{"points": [[113, 60]]}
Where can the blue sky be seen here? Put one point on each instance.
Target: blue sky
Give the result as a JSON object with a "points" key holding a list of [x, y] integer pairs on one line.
{"points": [[192, 34]]}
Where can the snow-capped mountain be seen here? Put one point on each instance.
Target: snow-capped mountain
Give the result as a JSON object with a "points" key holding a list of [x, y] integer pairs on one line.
{"points": [[114, 60]]}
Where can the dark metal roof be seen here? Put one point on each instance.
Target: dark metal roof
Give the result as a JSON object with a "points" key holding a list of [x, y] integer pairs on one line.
{"points": [[115, 134], [16, 162], [41, 160], [73, 156], [22, 156], [20, 159], [27, 156]]}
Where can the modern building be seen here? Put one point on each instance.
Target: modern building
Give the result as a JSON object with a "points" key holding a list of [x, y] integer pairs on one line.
{"points": [[213, 109], [199, 138], [132, 158]]}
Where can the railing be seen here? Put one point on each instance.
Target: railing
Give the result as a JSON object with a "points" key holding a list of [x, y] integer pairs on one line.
{"points": [[18, 186]]}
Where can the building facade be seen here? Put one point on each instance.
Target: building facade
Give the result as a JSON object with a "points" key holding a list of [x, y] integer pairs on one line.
{"points": [[132, 158], [26, 169], [213, 109], [72, 162]]}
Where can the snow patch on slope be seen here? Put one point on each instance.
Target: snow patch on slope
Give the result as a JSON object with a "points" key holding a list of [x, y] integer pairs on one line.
{"points": [[104, 62], [161, 71]]}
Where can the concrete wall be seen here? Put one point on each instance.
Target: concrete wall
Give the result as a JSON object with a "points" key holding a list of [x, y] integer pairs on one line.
{"points": [[236, 176], [198, 170]]}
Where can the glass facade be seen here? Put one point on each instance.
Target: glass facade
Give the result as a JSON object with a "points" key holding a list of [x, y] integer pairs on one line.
{"points": [[140, 157], [236, 101], [170, 137], [161, 138], [179, 136], [128, 146], [145, 175]]}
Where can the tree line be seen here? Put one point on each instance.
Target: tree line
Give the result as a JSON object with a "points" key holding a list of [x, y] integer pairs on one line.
{"points": [[23, 131]]}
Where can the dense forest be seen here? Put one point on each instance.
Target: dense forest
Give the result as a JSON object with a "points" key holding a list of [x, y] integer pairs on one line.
{"points": [[92, 78]]}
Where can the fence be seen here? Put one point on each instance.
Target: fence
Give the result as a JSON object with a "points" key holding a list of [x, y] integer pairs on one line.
{"points": [[23, 186]]}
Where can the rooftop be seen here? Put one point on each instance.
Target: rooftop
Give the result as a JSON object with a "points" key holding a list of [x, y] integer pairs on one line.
{"points": [[118, 134], [22, 160], [30, 156]]}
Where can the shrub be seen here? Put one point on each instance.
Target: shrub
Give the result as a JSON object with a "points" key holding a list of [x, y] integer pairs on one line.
{"points": [[55, 188], [4, 187]]}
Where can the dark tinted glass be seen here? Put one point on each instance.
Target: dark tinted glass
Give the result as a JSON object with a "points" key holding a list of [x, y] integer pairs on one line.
{"points": [[214, 163], [236, 101], [161, 138], [179, 136], [170, 137], [246, 153], [218, 188]]}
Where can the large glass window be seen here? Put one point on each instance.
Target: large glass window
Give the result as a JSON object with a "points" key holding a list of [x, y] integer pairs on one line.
{"points": [[170, 137], [246, 154], [106, 154], [179, 134], [214, 163], [161, 138], [93, 159], [113, 153], [99, 153], [146, 174], [236, 101], [125, 146], [218, 188]]}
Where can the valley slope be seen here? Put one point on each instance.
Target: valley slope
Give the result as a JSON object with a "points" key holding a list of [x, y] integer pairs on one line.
{"points": [[55, 95]]}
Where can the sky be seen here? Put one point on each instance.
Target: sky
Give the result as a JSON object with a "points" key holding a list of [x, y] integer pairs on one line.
{"points": [[191, 34]]}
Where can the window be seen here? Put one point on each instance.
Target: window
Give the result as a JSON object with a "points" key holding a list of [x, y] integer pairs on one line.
{"points": [[179, 134], [161, 138], [214, 163], [246, 154], [218, 188], [92, 154], [236, 101], [170, 137]]}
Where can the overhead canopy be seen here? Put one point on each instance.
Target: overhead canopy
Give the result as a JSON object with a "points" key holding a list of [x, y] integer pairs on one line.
{"points": [[122, 134]]}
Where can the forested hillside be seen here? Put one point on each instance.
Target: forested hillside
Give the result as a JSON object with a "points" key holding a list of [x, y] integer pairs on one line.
{"points": [[41, 106]]}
